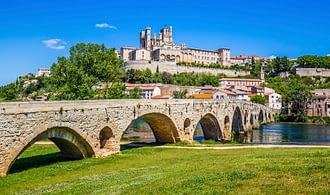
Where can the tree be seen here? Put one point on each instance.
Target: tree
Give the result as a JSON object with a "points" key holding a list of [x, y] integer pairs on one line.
{"points": [[116, 91], [8, 92], [182, 94], [297, 100], [258, 99], [88, 64], [135, 93], [310, 61], [147, 75], [167, 78]]}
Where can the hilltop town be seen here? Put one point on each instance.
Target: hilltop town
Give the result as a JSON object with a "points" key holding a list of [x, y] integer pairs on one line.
{"points": [[161, 69]]}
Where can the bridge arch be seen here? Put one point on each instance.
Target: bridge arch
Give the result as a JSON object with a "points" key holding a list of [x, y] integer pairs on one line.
{"points": [[163, 127], [71, 144], [210, 127], [237, 122]]}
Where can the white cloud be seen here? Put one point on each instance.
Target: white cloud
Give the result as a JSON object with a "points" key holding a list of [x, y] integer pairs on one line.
{"points": [[57, 44], [272, 57], [328, 54], [106, 25]]}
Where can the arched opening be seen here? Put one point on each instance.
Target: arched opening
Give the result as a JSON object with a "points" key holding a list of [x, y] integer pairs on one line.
{"points": [[186, 123], [177, 59], [261, 116], [160, 127], [71, 145], [162, 57], [251, 119], [172, 58], [237, 124], [138, 131], [106, 137], [245, 118], [208, 128]]}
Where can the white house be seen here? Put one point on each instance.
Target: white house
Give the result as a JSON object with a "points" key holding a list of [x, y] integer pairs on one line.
{"points": [[147, 90], [275, 101], [43, 72]]}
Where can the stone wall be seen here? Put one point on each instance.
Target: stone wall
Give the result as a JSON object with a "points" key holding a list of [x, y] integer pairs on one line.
{"points": [[310, 72], [172, 68]]}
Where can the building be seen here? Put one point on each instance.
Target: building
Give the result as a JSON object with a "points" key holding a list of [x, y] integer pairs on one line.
{"points": [[274, 100], [241, 60], [232, 82], [163, 48], [320, 105], [153, 90], [43, 72]]}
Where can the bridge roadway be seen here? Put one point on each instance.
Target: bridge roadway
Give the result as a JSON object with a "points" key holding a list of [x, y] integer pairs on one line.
{"points": [[94, 128]]}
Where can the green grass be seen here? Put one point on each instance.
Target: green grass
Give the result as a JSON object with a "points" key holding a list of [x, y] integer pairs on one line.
{"points": [[178, 171]]}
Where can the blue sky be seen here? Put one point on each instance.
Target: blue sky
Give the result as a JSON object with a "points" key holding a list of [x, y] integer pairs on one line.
{"points": [[34, 33]]}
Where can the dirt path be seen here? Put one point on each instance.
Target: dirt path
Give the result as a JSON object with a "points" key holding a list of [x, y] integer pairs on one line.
{"points": [[244, 147]]}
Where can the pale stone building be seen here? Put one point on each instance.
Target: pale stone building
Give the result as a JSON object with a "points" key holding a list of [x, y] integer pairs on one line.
{"points": [[43, 72], [162, 48], [320, 105], [274, 101], [232, 82]]}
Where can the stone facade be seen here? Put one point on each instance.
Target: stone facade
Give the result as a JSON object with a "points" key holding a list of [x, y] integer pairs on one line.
{"points": [[172, 68], [310, 72], [162, 48], [94, 128], [320, 105]]}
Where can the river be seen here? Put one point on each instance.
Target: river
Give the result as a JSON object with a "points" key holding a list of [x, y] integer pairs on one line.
{"points": [[287, 133]]}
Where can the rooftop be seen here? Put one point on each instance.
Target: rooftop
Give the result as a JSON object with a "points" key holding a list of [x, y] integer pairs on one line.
{"points": [[239, 79]]}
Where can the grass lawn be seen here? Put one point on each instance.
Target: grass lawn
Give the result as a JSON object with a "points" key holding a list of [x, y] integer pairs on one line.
{"points": [[172, 171]]}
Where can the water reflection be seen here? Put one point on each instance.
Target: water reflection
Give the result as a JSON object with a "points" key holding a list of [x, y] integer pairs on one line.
{"points": [[283, 133]]}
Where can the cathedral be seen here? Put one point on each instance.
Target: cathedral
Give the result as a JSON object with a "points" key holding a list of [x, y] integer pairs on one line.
{"points": [[162, 48]]}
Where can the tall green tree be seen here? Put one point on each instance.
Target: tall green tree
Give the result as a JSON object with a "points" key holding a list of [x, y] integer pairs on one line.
{"points": [[281, 64], [87, 65], [297, 100]]}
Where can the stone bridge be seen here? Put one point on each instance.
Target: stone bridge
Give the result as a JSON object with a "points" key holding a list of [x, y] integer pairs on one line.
{"points": [[83, 129]]}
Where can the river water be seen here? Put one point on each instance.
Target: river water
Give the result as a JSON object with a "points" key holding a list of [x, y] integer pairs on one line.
{"points": [[287, 133], [276, 133]]}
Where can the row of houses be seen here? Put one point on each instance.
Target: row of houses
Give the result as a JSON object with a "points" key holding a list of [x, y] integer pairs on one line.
{"points": [[229, 89]]}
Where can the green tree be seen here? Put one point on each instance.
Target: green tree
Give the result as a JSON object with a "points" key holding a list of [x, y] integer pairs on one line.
{"points": [[310, 61], [182, 94], [258, 99], [88, 64], [8, 92], [281, 64], [297, 100], [147, 75], [116, 91], [167, 78], [135, 93]]}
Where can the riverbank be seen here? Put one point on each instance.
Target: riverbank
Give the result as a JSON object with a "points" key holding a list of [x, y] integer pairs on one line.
{"points": [[154, 170], [325, 120]]}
